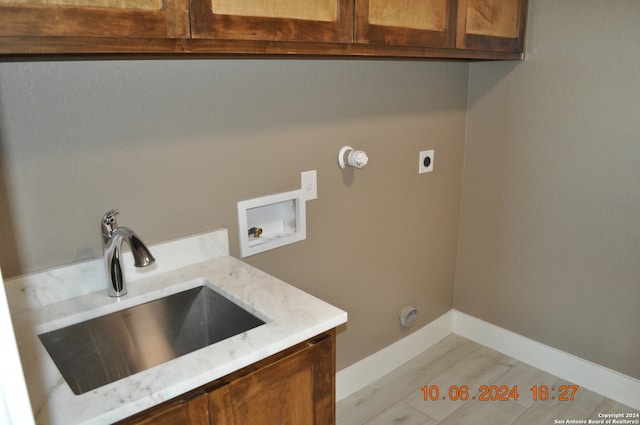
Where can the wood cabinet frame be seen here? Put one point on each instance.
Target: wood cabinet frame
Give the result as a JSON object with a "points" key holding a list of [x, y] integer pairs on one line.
{"points": [[207, 25], [487, 42], [367, 32], [172, 21]]}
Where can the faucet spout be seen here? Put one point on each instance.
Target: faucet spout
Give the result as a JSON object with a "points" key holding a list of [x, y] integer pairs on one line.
{"points": [[112, 240]]}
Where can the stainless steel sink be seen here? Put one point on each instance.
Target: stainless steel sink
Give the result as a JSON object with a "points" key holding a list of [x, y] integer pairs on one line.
{"points": [[96, 352]]}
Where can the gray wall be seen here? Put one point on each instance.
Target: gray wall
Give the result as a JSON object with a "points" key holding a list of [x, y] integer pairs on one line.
{"points": [[176, 144], [550, 230]]}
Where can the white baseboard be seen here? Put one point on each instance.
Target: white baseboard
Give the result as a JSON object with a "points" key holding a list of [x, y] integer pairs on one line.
{"points": [[369, 369], [609, 383]]}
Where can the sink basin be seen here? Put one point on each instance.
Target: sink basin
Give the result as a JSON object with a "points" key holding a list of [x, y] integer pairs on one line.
{"points": [[105, 349]]}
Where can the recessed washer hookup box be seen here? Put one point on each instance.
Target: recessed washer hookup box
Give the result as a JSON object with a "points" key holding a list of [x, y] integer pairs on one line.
{"points": [[271, 221]]}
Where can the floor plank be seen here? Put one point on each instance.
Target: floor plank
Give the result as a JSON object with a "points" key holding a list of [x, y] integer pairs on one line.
{"points": [[398, 398], [583, 406], [401, 413], [373, 399], [481, 368]]}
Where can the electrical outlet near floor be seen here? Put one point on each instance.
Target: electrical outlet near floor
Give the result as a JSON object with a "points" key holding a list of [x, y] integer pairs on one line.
{"points": [[426, 161]]}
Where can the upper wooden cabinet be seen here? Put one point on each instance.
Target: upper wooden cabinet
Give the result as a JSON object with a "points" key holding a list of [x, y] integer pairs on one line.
{"points": [[95, 18], [491, 25], [450, 29], [287, 20], [422, 23], [486, 25]]}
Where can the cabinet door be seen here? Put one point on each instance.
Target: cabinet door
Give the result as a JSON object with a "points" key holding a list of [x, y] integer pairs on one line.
{"points": [[95, 18], [296, 390], [421, 23], [193, 411], [273, 20], [491, 25]]}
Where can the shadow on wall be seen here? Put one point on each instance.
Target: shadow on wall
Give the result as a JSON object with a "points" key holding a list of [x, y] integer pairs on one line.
{"points": [[9, 258], [151, 102], [501, 72]]}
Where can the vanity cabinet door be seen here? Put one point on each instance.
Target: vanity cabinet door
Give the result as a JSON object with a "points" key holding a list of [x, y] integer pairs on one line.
{"points": [[297, 389], [95, 18], [295, 386], [491, 25], [193, 411], [420, 23], [273, 20]]}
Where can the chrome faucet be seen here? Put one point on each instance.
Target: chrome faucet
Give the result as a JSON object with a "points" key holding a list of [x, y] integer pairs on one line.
{"points": [[112, 238]]}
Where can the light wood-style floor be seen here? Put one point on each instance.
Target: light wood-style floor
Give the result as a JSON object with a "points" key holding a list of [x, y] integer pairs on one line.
{"points": [[398, 398]]}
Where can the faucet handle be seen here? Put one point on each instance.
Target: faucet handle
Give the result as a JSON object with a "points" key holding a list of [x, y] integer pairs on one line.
{"points": [[109, 223]]}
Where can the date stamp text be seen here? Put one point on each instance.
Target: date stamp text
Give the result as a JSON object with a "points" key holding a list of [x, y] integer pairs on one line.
{"points": [[498, 393]]}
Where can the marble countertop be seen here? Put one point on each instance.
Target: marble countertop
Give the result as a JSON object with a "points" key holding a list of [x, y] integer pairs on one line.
{"points": [[48, 301]]}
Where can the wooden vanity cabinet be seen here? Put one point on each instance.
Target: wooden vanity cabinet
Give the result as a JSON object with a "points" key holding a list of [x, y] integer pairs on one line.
{"points": [[191, 411], [160, 19], [295, 386], [287, 20]]}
